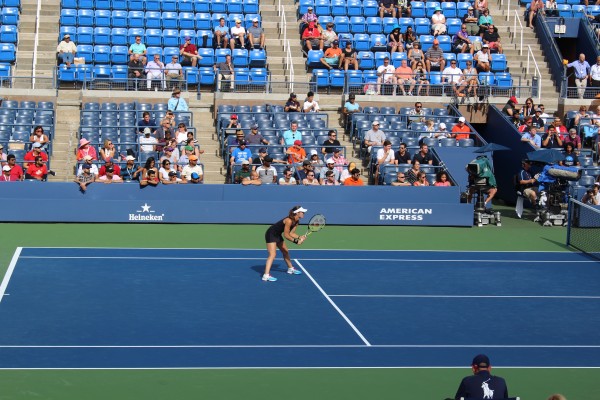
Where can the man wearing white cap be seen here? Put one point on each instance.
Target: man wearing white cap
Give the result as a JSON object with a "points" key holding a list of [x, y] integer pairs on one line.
{"points": [[238, 34], [329, 166], [374, 136], [6, 176], [66, 50], [87, 163], [256, 35], [36, 150], [461, 130], [130, 172], [470, 19]]}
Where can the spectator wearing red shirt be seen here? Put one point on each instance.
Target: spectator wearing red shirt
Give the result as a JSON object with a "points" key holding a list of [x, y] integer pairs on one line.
{"points": [[38, 170], [16, 171], [189, 52], [36, 150], [6, 176], [461, 130], [312, 37], [109, 164]]}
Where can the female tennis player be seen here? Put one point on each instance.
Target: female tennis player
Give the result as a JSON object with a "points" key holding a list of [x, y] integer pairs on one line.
{"points": [[285, 228]]}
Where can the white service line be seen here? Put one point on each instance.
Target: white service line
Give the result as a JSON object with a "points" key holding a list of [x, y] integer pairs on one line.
{"points": [[9, 271], [441, 296], [333, 303]]}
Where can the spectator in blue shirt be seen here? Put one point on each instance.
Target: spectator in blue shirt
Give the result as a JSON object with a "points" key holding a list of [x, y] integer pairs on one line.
{"points": [[146, 122], [291, 135], [582, 73], [176, 103]]}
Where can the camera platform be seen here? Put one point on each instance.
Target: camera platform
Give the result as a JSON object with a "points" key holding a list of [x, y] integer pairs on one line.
{"points": [[487, 218], [554, 217]]}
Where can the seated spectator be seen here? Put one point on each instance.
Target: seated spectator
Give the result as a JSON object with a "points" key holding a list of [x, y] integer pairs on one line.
{"points": [[6, 176], [181, 134], [310, 104], [528, 109], [395, 40], [410, 38], [354, 179], [403, 156], [150, 179], [492, 38], [262, 154], [296, 153], [385, 156], [421, 179], [551, 8], [266, 172], [485, 20], [189, 53], [374, 136], [329, 35], [387, 8], [2, 156], [150, 165], [234, 140], [592, 196], [146, 122], [471, 21], [332, 56], [252, 180], [287, 178], [256, 35], [173, 73], [423, 156], [386, 75], [107, 151], [571, 159], [66, 50], [526, 125], [31, 156], [420, 76], [292, 104], [110, 176], [413, 172], [532, 138], [537, 119], [454, 76], [138, 48], [37, 170], [173, 179], [404, 76], [135, 68], [184, 159], [254, 137], [169, 156], [480, 6], [329, 167], [461, 130], [400, 180], [238, 35], [551, 139], [312, 37], [509, 108], [582, 113], [87, 163], [471, 80], [536, 7], [315, 160], [417, 114], [291, 135], [558, 125], [307, 18], [38, 136], [349, 57], [573, 138], [441, 179], [131, 171], [330, 179], [339, 159], [164, 130], [221, 34], [239, 154], [243, 173], [345, 173], [109, 164], [85, 177], [438, 22], [226, 73], [416, 55], [176, 103], [155, 71], [404, 8], [85, 149], [147, 142], [331, 143], [16, 172], [461, 41], [192, 169], [482, 57], [434, 57], [310, 179]]}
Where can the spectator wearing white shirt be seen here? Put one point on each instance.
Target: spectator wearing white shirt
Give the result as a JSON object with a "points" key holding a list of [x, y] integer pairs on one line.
{"points": [[155, 71], [174, 73], [595, 74], [386, 74], [483, 59], [147, 142], [310, 105], [238, 34], [454, 76], [66, 50]]}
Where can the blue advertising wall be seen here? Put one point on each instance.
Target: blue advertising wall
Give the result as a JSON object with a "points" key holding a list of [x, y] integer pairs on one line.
{"points": [[369, 205]]}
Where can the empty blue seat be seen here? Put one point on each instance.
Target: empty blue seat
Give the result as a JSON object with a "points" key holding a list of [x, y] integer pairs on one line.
{"points": [[170, 20], [208, 57], [170, 5], [354, 8], [102, 72], [366, 60], [257, 58], [240, 58], [119, 73], [102, 35], [445, 43], [103, 18], [66, 74], [136, 19], [430, 7], [338, 7], [84, 72], [374, 25], [342, 24], [119, 5], [153, 20], [498, 63], [170, 37], [397, 58], [453, 25], [462, 8], [68, 17], [314, 58], [135, 5], [418, 9], [88, 4], [118, 36], [85, 51], [8, 34], [191, 76], [422, 26], [10, 16], [85, 17], [564, 10], [462, 59], [119, 55], [201, 6], [85, 35], [337, 79], [448, 9], [119, 19], [320, 77], [358, 25], [102, 54], [186, 20], [362, 42], [207, 76], [504, 80], [153, 37], [218, 6], [169, 52], [250, 6], [378, 42], [259, 77]]}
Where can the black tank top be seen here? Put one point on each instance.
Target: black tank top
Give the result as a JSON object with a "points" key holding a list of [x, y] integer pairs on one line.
{"points": [[278, 227]]}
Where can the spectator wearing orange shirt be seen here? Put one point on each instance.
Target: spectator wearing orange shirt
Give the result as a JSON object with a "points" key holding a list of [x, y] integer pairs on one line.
{"points": [[296, 153], [405, 76], [332, 55], [461, 130], [354, 179]]}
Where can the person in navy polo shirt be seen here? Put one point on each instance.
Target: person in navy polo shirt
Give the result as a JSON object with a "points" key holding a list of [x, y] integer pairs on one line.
{"points": [[482, 384]]}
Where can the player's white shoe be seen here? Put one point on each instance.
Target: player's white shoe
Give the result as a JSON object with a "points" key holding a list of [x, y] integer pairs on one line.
{"points": [[268, 278], [294, 271]]}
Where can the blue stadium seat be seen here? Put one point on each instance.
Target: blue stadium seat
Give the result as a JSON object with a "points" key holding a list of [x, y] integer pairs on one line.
{"points": [[430, 7], [564, 10], [171, 38], [8, 34], [259, 77], [314, 58], [153, 20], [153, 37], [257, 58], [151, 51], [389, 23], [354, 8], [378, 42], [169, 52], [445, 43], [422, 26], [449, 57], [355, 80], [118, 36], [374, 25], [85, 35], [338, 7], [103, 18], [337, 79], [191, 75], [362, 42], [135, 5], [342, 24], [102, 35], [487, 79], [345, 37], [593, 10], [68, 17], [208, 57], [203, 21], [85, 17], [504, 80], [366, 60], [10, 16], [119, 19], [119, 55], [453, 25], [248, 20], [102, 72], [498, 63], [251, 7], [426, 42], [320, 77], [66, 74], [303, 6], [68, 4], [370, 8], [240, 58], [448, 9], [102, 54], [136, 19], [71, 30], [201, 6], [418, 9], [170, 5], [404, 23], [119, 5], [397, 57], [84, 72], [235, 7], [462, 7], [325, 19], [379, 56], [186, 20], [578, 10], [220, 55], [242, 76], [218, 6], [119, 73], [207, 76], [133, 32]]}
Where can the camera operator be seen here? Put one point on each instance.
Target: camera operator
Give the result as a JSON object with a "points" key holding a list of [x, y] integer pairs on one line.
{"points": [[481, 172], [592, 196], [528, 184]]}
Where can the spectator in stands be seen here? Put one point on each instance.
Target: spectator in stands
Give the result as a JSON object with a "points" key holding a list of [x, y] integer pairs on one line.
{"points": [[243, 173], [266, 172], [417, 114], [410, 38], [86, 150], [6, 176], [155, 71], [184, 159], [291, 135], [188, 172], [470, 20], [287, 178], [307, 18], [345, 172], [434, 57], [85, 177], [423, 156], [176, 103], [239, 154], [532, 138], [252, 180], [438, 22], [480, 6], [582, 73], [310, 104], [374, 136], [221, 34], [385, 156], [537, 119], [592, 196], [109, 164], [147, 142], [404, 8], [189, 53], [163, 131], [349, 56], [315, 160], [491, 37], [330, 143], [421, 179], [292, 104], [485, 20], [403, 156], [482, 384], [571, 159], [310, 179], [135, 68], [470, 74], [38, 136], [254, 137], [574, 139], [551, 8], [2, 156], [509, 108], [595, 77], [332, 56], [551, 139], [350, 107], [168, 156], [238, 35], [330, 179], [146, 122], [66, 50], [234, 122], [404, 76], [528, 109], [110, 176], [16, 172], [107, 151], [526, 125], [173, 179], [413, 173], [131, 171], [387, 8], [150, 179], [461, 41], [420, 76], [415, 55], [138, 48], [329, 167], [296, 154], [174, 73], [181, 134], [329, 35], [454, 76], [400, 180], [312, 37], [461, 130], [441, 179], [87, 162], [536, 7], [354, 179], [395, 41], [31, 156], [37, 170], [543, 115], [482, 57], [226, 72], [558, 125], [385, 75], [307, 167], [582, 113], [256, 35]]}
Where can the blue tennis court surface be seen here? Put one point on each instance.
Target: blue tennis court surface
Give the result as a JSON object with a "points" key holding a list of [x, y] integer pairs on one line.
{"points": [[208, 308]]}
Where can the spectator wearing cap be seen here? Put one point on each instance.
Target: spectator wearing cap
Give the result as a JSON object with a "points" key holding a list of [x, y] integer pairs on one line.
{"points": [[470, 19], [66, 50], [234, 122], [330, 143], [85, 149], [37, 170], [374, 136], [438, 22], [461, 130], [349, 56], [350, 107], [482, 384], [192, 168], [434, 57], [221, 34], [176, 103], [329, 167], [307, 18], [168, 155], [110, 176], [510, 108], [242, 173], [292, 104], [226, 72], [184, 159], [173, 179], [296, 154], [302, 173], [131, 171], [252, 180], [256, 35], [491, 37], [310, 104], [266, 172], [254, 137], [287, 178], [174, 73], [314, 159], [189, 53], [537, 119], [291, 135], [147, 142], [395, 41], [238, 35], [339, 159], [329, 35], [108, 163], [387, 8], [332, 56], [482, 57], [262, 153], [155, 71], [87, 162], [354, 179], [312, 37], [31, 156], [386, 75], [6, 176], [240, 153], [85, 177]]}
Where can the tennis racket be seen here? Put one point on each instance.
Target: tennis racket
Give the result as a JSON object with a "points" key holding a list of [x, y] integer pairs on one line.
{"points": [[316, 223]]}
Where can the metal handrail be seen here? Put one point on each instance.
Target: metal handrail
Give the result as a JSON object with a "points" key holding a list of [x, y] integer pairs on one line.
{"points": [[517, 19], [35, 43], [538, 73]]}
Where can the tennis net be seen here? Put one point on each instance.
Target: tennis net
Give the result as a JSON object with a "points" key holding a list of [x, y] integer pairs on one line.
{"points": [[583, 233]]}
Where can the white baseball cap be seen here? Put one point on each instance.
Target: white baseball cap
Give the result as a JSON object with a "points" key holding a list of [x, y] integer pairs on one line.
{"points": [[462, 119], [300, 209]]}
